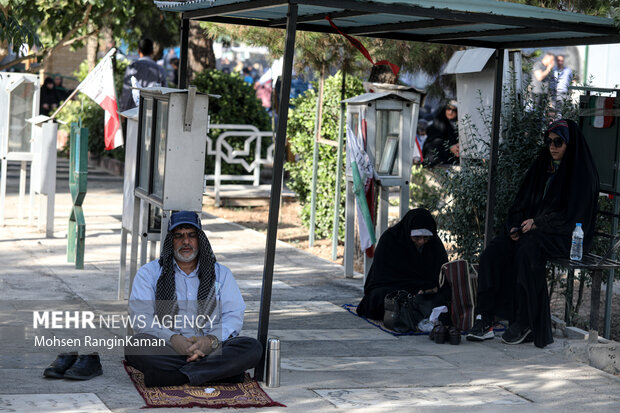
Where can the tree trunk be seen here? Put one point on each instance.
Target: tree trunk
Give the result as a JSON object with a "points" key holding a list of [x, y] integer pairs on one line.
{"points": [[200, 56], [92, 46]]}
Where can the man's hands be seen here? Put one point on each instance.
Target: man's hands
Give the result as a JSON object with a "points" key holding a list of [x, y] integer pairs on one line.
{"points": [[181, 344], [194, 348]]}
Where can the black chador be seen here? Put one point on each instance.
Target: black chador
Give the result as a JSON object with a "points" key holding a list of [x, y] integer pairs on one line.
{"points": [[400, 265], [556, 195]]}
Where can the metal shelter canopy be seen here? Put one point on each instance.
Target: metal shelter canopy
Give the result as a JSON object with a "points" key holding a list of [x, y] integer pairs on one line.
{"points": [[481, 23]]}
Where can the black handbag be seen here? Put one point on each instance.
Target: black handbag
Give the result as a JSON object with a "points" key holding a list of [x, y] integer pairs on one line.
{"points": [[398, 314], [403, 310]]}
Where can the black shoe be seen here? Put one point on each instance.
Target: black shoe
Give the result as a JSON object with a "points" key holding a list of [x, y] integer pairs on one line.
{"points": [[59, 366], [440, 334], [482, 330], [86, 367], [454, 334], [516, 335]]}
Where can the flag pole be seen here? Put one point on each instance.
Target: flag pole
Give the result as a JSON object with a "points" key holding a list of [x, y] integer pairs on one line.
{"points": [[77, 89]]}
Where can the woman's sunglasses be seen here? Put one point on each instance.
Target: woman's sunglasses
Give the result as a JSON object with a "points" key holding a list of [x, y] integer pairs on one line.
{"points": [[557, 142]]}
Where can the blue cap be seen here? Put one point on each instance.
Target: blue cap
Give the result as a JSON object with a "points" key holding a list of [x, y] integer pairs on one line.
{"points": [[184, 217]]}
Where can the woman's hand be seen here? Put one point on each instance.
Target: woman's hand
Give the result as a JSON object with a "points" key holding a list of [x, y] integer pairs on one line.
{"points": [[431, 291], [527, 225]]}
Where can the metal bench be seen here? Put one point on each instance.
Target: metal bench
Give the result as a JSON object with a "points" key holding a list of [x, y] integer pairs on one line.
{"points": [[596, 264]]}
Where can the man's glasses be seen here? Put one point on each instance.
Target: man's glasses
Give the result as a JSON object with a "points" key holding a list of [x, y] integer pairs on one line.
{"points": [[181, 235], [557, 142]]}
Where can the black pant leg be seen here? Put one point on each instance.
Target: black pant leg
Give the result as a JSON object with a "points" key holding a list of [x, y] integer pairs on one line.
{"points": [[497, 279], [237, 355]]}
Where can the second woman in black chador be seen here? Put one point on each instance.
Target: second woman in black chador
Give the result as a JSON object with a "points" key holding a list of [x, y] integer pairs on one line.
{"points": [[409, 257], [559, 190]]}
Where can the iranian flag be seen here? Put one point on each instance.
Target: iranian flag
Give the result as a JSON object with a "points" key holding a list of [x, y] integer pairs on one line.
{"points": [[99, 86]]}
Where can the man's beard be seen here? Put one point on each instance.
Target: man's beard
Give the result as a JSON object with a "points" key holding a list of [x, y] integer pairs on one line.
{"points": [[179, 257]]}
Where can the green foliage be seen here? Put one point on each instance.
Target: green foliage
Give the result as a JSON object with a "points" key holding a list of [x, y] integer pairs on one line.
{"points": [[300, 133], [91, 115], [424, 190], [52, 23], [237, 105], [523, 123], [16, 33]]}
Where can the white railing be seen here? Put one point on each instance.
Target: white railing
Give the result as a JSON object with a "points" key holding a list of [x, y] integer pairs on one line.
{"points": [[225, 152]]}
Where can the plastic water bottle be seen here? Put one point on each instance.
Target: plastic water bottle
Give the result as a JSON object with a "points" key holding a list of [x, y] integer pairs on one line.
{"points": [[576, 249]]}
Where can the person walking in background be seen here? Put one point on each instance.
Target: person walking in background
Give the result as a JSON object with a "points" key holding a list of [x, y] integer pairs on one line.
{"points": [[145, 71], [563, 77], [543, 81]]}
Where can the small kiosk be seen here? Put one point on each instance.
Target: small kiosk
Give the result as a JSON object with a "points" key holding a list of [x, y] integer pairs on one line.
{"points": [[168, 160], [383, 122], [19, 100]]}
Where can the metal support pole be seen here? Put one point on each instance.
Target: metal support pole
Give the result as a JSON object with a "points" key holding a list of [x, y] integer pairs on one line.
{"points": [[22, 189], [349, 230], [339, 168], [276, 187], [609, 291], [315, 168], [183, 69], [493, 152], [3, 173]]}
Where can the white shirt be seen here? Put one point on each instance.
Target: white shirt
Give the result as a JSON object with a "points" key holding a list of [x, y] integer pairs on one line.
{"points": [[227, 319]]}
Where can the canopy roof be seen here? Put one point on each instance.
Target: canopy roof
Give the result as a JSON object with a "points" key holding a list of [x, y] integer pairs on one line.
{"points": [[481, 23]]}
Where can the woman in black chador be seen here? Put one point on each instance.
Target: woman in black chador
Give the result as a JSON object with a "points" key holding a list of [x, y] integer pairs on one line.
{"points": [[559, 190], [409, 257]]}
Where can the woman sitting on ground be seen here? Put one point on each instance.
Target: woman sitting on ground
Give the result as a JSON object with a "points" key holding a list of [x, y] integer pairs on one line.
{"points": [[409, 257], [559, 190]]}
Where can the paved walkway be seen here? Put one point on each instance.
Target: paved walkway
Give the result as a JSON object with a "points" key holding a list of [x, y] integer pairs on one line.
{"points": [[331, 360]]}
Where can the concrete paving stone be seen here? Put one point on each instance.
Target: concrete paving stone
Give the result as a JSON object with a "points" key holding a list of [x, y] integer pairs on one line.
{"points": [[325, 334], [327, 363], [408, 397], [52, 403]]}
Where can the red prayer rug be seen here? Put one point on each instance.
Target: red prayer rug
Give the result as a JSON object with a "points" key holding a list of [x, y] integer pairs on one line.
{"points": [[238, 395]]}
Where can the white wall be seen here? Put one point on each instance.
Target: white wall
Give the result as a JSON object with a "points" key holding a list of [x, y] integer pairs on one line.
{"points": [[603, 61]]}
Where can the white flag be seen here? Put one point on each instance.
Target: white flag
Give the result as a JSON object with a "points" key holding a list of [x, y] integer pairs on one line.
{"points": [[99, 86]]}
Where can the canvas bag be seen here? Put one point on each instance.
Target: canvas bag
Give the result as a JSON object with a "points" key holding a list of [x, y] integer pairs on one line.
{"points": [[463, 284]]}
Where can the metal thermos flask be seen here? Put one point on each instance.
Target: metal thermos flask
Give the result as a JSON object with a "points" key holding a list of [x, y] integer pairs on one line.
{"points": [[273, 363]]}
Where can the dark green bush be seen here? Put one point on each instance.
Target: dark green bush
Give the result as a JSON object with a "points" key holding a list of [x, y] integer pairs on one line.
{"points": [[237, 105], [300, 134]]}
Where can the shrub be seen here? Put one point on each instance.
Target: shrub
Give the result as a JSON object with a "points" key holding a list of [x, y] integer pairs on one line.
{"points": [[238, 104], [300, 134], [91, 115]]}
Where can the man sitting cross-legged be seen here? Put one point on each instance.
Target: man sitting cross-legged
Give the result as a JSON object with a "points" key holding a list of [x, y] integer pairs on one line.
{"points": [[193, 303]]}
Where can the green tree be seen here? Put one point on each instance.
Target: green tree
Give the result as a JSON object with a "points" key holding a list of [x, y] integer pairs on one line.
{"points": [[300, 136], [61, 23]]}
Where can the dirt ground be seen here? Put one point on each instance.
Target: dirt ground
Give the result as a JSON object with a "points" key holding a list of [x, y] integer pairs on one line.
{"points": [[291, 230]]}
